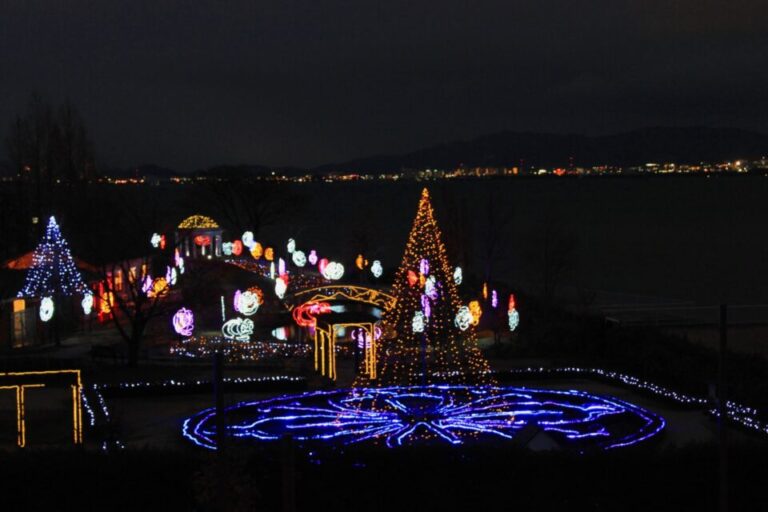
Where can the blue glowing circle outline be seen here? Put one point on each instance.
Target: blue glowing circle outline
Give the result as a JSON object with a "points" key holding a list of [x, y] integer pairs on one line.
{"points": [[452, 413]]}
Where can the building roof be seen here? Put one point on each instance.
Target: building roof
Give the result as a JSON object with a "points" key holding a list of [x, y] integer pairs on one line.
{"points": [[198, 222]]}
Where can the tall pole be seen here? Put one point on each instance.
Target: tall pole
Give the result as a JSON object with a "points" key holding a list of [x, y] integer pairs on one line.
{"points": [[722, 408]]}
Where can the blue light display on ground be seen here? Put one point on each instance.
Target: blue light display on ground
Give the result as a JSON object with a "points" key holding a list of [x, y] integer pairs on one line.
{"points": [[399, 416]]}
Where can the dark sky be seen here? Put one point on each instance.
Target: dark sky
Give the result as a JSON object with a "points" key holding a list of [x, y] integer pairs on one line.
{"points": [[196, 83]]}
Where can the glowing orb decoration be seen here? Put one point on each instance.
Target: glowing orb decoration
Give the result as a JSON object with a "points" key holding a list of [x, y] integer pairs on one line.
{"points": [[312, 257], [299, 258], [458, 276], [291, 246], [281, 333], [514, 319], [476, 310], [424, 266], [413, 279], [272, 270], [237, 248], [322, 264], [46, 309], [146, 286], [360, 262], [246, 302], [485, 290], [511, 305], [226, 248], [159, 288], [202, 240], [183, 322], [178, 261], [256, 251], [425, 306], [280, 287], [269, 254], [239, 329], [248, 240], [376, 269], [494, 299], [423, 415], [333, 271], [430, 287], [171, 276], [281, 266], [417, 324], [87, 303], [463, 318], [155, 240]]}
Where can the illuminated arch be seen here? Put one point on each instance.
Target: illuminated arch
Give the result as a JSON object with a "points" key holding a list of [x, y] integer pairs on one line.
{"points": [[198, 222], [343, 292]]}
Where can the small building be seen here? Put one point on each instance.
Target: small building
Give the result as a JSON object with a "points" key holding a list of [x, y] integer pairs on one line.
{"points": [[199, 236]]}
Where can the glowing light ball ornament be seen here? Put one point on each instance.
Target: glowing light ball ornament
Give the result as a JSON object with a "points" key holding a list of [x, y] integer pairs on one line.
{"points": [[476, 310], [291, 246], [485, 290], [376, 269], [424, 266], [239, 329], [146, 286], [226, 248], [361, 262], [494, 299], [256, 251], [237, 247], [281, 266], [333, 271], [87, 303], [312, 258], [202, 240], [159, 288], [458, 276], [248, 240], [430, 287], [155, 240], [269, 254], [299, 258], [322, 264], [463, 318], [418, 322], [425, 307], [171, 276], [179, 261], [46, 309], [280, 287], [413, 279], [246, 302], [513, 317], [183, 322]]}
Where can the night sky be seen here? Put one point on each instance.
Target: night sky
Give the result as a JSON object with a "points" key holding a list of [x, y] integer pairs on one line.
{"points": [[193, 84]]}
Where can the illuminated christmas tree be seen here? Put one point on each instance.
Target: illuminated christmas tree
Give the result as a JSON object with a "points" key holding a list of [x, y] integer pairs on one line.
{"points": [[53, 271], [428, 338]]}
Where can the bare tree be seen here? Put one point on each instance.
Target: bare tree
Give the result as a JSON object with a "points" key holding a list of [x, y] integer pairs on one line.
{"points": [[132, 305], [243, 203]]}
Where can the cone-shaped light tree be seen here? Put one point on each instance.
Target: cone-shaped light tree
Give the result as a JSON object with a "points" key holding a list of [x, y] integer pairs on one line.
{"points": [[424, 343], [53, 271]]}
